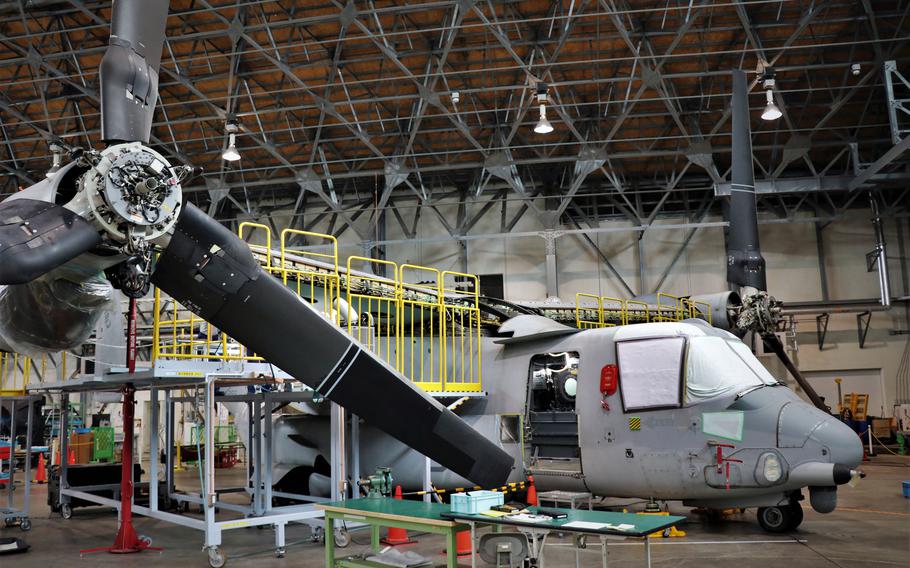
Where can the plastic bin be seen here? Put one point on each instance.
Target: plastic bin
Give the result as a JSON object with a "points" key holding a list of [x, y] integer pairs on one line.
{"points": [[906, 485], [474, 502]]}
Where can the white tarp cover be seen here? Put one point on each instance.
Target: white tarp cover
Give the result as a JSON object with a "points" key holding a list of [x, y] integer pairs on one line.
{"points": [[727, 425], [650, 371], [717, 366]]}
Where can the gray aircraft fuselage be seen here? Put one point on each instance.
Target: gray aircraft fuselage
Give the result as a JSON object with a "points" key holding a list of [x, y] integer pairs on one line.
{"points": [[662, 453]]}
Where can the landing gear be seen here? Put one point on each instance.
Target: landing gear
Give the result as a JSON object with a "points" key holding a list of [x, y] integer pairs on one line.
{"points": [[781, 519]]}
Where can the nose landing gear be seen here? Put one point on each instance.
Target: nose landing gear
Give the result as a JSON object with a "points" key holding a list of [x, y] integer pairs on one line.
{"points": [[781, 519]]}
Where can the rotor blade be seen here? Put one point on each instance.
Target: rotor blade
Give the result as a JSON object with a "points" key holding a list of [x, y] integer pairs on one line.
{"points": [[37, 236], [745, 264], [773, 342], [129, 70], [208, 269]]}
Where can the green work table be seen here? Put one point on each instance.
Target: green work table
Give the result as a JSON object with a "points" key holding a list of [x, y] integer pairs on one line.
{"points": [[536, 532], [385, 512]]}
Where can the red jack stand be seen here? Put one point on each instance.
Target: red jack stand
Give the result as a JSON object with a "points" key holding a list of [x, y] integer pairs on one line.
{"points": [[127, 540]]}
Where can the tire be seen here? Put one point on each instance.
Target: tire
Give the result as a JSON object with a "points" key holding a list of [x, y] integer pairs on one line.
{"points": [[775, 519], [216, 557], [796, 515], [25, 525], [66, 511], [342, 538]]}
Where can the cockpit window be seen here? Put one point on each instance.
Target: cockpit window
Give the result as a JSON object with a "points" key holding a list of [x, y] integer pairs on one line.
{"points": [[650, 372], [717, 366]]}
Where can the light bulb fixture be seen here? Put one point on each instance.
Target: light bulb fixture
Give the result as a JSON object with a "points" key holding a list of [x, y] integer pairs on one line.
{"points": [[456, 97], [58, 160], [231, 154], [543, 125], [772, 111]]}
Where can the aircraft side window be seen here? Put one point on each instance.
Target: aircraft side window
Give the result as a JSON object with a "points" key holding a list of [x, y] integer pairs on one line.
{"points": [[650, 372]]}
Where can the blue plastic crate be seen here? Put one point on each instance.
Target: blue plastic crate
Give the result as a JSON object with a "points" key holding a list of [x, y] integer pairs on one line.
{"points": [[474, 502]]}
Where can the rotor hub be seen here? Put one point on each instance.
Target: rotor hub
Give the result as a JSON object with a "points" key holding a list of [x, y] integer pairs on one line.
{"points": [[134, 193]]}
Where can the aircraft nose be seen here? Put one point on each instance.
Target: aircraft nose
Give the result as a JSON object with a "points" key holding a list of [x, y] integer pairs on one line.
{"points": [[801, 424], [845, 446]]}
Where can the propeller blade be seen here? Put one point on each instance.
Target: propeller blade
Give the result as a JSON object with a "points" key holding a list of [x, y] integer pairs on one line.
{"points": [[773, 343], [208, 269], [37, 236], [129, 70], [745, 264]]}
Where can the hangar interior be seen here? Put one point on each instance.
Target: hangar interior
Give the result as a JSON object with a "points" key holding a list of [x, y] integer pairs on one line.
{"points": [[546, 225]]}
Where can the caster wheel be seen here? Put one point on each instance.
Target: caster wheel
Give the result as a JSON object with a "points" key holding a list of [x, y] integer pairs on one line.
{"points": [[279, 553], [318, 534], [776, 519], [342, 538], [146, 540], [217, 558], [66, 511], [25, 525]]}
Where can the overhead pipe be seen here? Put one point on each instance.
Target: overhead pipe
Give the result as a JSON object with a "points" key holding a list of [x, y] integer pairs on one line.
{"points": [[857, 306], [884, 283]]}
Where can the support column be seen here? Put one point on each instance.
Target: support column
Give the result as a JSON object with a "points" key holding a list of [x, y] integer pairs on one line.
{"points": [[549, 238], [338, 450]]}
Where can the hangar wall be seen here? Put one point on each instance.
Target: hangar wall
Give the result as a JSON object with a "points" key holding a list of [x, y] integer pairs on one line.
{"points": [[789, 248]]}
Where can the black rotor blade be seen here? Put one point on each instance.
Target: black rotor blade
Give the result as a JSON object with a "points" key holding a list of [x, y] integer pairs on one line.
{"points": [[129, 70], [745, 264], [211, 271], [37, 236], [773, 342]]}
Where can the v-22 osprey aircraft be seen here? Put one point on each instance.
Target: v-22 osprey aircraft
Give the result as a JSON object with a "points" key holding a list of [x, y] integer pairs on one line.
{"points": [[666, 410]]}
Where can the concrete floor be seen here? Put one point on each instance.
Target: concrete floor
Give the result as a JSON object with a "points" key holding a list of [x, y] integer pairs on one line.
{"points": [[871, 527]]}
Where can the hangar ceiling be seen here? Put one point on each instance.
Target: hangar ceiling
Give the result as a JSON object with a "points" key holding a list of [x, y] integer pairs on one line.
{"points": [[347, 110]]}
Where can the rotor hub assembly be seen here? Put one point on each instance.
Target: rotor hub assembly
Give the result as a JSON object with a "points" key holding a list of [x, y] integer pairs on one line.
{"points": [[133, 193]]}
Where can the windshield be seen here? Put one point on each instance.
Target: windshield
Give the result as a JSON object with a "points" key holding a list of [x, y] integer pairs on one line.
{"points": [[717, 366]]}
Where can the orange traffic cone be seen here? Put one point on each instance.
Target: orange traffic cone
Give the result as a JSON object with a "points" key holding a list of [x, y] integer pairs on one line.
{"points": [[41, 474], [463, 543], [532, 492], [397, 536], [70, 456]]}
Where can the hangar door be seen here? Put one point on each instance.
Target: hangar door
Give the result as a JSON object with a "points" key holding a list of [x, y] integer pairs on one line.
{"points": [[863, 381]]}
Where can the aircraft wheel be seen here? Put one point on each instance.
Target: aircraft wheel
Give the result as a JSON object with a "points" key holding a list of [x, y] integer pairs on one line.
{"points": [[775, 519], [796, 515]]}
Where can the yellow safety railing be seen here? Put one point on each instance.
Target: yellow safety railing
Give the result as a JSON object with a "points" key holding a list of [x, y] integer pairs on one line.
{"points": [[592, 311], [670, 307], [262, 253], [587, 316], [371, 317], [613, 315], [462, 350], [15, 372], [420, 326], [321, 286], [423, 326], [637, 312], [702, 310]]}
